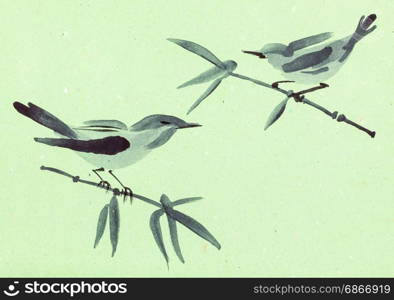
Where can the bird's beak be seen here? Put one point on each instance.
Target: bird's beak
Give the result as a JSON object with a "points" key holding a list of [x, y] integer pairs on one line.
{"points": [[189, 125], [259, 54]]}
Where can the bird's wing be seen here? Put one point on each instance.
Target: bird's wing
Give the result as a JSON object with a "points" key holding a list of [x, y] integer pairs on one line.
{"points": [[318, 71], [110, 145], [309, 41], [162, 139], [104, 124], [307, 60]]}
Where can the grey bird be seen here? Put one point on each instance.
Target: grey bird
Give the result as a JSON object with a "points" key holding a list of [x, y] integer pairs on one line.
{"points": [[300, 62], [107, 144]]}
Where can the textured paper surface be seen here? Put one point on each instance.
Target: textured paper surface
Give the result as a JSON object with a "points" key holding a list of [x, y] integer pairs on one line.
{"points": [[308, 197]]}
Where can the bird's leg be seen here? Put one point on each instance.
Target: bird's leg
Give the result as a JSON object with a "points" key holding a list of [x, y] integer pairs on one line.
{"points": [[126, 190], [298, 97], [102, 183], [275, 85]]}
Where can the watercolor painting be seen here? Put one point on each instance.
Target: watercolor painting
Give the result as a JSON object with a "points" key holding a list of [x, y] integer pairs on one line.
{"points": [[174, 102], [297, 61], [111, 144]]}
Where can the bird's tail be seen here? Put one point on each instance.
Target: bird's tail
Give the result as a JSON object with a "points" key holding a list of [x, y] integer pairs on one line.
{"points": [[45, 118], [364, 27]]}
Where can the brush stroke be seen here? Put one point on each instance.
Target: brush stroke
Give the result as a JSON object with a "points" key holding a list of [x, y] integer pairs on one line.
{"points": [[114, 223], [155, 227], [102, 221], [110, 145]]}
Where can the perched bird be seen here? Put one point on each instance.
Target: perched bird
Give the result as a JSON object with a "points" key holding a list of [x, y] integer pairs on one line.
{"points": [[302, 63], [107, 144]]}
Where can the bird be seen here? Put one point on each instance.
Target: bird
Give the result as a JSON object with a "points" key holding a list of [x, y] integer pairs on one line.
{"points": [[301, 63], [107, 144]]}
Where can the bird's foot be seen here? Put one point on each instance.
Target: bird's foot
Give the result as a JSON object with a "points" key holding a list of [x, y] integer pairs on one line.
{"points": [[104, 184], [127, 192], [275, 84], [299, 96]]}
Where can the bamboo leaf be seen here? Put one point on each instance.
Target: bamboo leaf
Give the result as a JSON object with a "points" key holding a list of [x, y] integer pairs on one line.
{"points": [[199, 50], [212, 74], [230, 66], [174, 238], [194, 226], [165, 201], [114, 223], [156, 231], [102, 221], [209, 91], [185, 200], [276, 113], [206, 76]]}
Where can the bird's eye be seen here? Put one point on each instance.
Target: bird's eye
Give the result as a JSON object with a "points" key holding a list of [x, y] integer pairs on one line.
{"points": [[165, 122]]}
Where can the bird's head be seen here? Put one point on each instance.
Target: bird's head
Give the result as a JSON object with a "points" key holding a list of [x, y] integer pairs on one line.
{"points": [[161, 128], [275, 48], [162, 122]]}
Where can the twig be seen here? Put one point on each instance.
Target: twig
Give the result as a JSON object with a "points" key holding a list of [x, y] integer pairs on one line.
{"points": [[289, 93], [114, 190]]}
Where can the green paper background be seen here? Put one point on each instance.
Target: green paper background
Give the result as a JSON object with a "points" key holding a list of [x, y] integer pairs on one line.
{"points": [[308, 197]]}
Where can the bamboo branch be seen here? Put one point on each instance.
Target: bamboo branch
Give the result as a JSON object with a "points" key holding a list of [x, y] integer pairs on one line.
{"points": [[165, 207], [289, 93], [114, 190]]}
